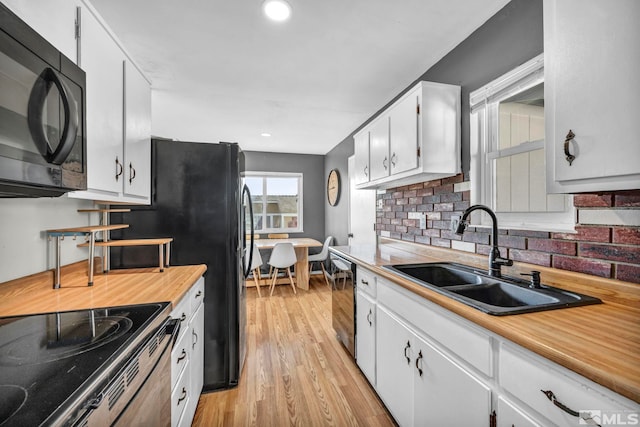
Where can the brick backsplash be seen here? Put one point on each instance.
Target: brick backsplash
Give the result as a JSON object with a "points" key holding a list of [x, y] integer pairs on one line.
{"points": [[602, 250]]}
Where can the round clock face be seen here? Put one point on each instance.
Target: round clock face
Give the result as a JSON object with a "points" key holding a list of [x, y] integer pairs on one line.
{"points": [[333, 187]]}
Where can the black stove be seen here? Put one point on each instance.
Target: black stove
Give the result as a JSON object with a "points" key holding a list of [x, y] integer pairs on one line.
{"points": [[52, 363]]}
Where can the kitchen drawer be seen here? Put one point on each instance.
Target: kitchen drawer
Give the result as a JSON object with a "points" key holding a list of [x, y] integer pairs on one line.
{"points": [[196, 295], [182, 311], [526, 375], [180, 355], [180, 398], [460, 336], [366, 281]]}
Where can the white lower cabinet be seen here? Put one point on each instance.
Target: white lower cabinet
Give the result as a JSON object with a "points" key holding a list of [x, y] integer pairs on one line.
{"points": [[366, 336], [420, 385], [432, 367], [187, 356]]}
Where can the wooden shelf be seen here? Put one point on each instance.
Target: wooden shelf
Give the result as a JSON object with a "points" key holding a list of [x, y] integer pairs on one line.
{"points": [[104, 210], [163, 244], [77, 231]]}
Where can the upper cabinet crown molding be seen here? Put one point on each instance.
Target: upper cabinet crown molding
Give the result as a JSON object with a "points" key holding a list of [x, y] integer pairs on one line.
{"points": [[591, 95], [416, 139]]}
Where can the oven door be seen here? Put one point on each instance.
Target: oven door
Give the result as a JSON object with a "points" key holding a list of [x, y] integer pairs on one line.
{"points": [[140, 392], [42, 139]]}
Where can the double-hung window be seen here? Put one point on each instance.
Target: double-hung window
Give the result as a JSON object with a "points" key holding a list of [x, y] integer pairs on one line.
{"points": [[507, 153], [277, 201]]}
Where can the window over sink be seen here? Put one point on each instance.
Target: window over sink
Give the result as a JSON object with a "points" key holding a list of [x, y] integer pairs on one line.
{"points": [[277, 201], [507, 152]]}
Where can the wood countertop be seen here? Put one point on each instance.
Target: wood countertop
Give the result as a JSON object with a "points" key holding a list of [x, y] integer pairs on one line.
{"points": [[35, 294], [600, 342]]}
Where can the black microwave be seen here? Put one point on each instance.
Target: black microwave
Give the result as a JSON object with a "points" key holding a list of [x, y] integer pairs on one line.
{"points": [[42, 115]]}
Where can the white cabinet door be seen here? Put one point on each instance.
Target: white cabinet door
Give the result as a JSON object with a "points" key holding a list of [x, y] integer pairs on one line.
{"points": [[509, 415], [196, 365], [445, 393], [361, 152], [366, 336], [379, 147], [403, 134], [592, 55], [394, 371], [137, 143], [102, 60], [52, 19]]}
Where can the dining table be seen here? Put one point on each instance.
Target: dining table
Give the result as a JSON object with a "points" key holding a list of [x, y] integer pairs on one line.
{"points": [[301, 246]]}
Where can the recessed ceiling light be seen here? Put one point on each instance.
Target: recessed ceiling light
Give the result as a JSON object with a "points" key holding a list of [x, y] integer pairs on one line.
{"points": [[277, 10], [265, 134]]}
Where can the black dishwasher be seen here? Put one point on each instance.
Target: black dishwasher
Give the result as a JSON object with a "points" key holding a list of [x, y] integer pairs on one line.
{"points": [[343, 274]]}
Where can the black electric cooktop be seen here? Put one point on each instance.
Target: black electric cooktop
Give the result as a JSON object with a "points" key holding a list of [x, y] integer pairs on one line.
{"points": [[48, 360]]}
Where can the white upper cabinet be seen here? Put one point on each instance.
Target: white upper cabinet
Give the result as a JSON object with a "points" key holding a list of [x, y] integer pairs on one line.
{"points": [[416, 139], [137, 136], [361, 152], [379, 147], [118, 117], [592, 59], [403, 133], [102, 60]]}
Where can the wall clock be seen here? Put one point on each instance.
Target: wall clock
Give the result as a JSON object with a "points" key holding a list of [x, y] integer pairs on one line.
{"points": [[333, 187]]}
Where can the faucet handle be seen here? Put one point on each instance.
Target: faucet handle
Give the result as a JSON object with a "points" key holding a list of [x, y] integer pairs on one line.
{"points": [[535, 278]]}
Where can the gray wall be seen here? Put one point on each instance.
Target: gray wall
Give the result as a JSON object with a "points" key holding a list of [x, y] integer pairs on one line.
{"points": [[509, 38], [313, 191], [337, 217]]}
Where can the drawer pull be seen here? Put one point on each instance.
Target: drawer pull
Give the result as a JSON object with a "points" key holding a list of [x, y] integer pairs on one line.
{"points": [[364, 282], [585, 415], [183, 317], [369, 317], [418, 361], [407, 347], [183, 396], [182, 356], [199, 294]]}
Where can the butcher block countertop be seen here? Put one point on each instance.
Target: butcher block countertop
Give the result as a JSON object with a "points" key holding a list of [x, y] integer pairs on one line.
{"points": [[600, 342], [35, 294]]}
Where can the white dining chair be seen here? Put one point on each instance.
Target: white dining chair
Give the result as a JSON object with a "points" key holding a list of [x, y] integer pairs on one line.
{"points": [[282, 257], [256, 263], [321, 257]]}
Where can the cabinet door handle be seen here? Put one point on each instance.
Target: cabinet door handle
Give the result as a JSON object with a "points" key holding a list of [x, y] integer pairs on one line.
{"points": [[119, 168], [568, 156], [586, 416], [132, 172], [407, 347], [182, 356], [183, 317], [366, 171], [418, 361], [364, 282], [369, 317], [183, 396], [384, 162], [196, 339], [393, 160]]}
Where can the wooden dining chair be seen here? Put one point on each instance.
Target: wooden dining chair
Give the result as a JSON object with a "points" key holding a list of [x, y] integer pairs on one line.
{"points": [[282, 257], [278, 236]]}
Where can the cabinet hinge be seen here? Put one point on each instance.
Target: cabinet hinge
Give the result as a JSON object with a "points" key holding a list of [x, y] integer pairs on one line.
{"points": [[492, 419], [418, 109]]}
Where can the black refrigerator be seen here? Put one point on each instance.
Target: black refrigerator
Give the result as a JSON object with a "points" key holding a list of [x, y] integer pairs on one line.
{"points": [[197, 197]]}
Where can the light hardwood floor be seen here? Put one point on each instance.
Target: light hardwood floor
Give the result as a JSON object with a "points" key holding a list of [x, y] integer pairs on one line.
{"points": [[296, 372]]}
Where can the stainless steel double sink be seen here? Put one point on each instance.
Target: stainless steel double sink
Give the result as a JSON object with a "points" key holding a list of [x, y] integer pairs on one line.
{"points": [[492, 295]]}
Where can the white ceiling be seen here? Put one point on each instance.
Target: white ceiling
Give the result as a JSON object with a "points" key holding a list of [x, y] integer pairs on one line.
{"points": [[221, 71]]}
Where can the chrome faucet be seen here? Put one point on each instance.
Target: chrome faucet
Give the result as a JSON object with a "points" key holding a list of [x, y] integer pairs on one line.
{"points": [[495, 259]]}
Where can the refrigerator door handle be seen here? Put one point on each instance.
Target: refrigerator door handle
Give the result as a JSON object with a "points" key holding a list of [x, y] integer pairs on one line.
{"points": [[246, 267]]}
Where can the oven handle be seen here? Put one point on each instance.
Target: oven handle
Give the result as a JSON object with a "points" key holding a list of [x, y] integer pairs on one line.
{"points": [[173, 329]]}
